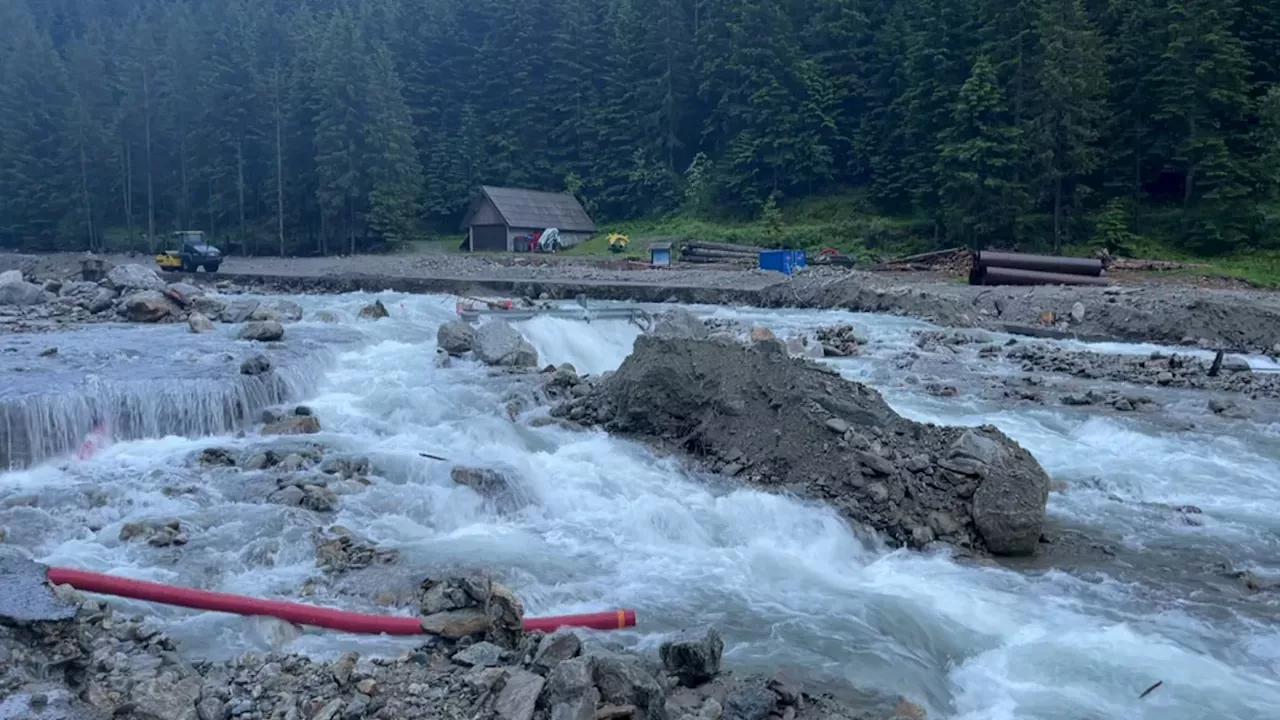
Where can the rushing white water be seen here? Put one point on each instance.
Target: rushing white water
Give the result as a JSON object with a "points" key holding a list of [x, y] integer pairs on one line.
{"points": [[787, 582]]}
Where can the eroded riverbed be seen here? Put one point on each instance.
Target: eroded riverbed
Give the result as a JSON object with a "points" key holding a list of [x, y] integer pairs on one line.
{"points": [[1143, 599]]}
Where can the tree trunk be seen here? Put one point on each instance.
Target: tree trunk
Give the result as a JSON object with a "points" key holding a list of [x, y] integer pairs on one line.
{"points": [[184, 209], [212, 210], [244, 244], [128, 191], [279, 166], [1057, 214], [151, 198], [84, 188]]}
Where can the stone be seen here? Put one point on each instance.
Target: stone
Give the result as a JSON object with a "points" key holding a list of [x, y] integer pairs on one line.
{"points": [[344, 667], [294, 425], [199, 324], [329, 711], [211, 708], [1235, 364], [374, 311], [482, 654], [506, 616], [456, 624], [693, 656], [134, 277], [582, 707], [147, 306], [442, 596], [498, 343], [165, 699], [268, 331], [762, 334], [456, 338], [1077, 312], [286, 310], [554, 649], [239, 310], [623, 681], [569, 680], [837, 426], [185, 290], [16, 291], [101, 301], [519, 696], [679, 323], [319, 499], [291, 496], [615, 712], [1009, 504], [256, 365], [750, 700], [503, 491]]}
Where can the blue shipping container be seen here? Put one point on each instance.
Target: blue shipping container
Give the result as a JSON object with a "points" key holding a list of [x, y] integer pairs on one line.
{"points": [[783, 261]]}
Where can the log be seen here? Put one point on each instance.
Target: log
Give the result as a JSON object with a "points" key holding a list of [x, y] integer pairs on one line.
{"points": [[1012, 276], [918, 257], [712, 261], [724, 246], [1040, 263], [698, 252]]}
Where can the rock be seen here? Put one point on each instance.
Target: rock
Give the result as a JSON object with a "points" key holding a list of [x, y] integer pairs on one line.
{"points": [[443, 360], [504, 492], [239, 310], [680, 323], [324, 316], [499, 344], [582, 707], [374, 311], [163, 698], [295, 425], [456, 624], [101, 301], [212, 308], [319, 499], [837, 426], [456, 338], [519, 696], [693, 657], [569, 680], [623, 681], [291, 496], [344, 667], [554, 650], [1009, 504], [1235, 364], [1077, 312], [444, 595], [286, 310], [762, 334], [256, 365], [186, 291], [482, 654], [211, 708], [750, 700], [148, 306], [16, 291], [198, 323], [506, 616], [127, 278], [268, 331]]}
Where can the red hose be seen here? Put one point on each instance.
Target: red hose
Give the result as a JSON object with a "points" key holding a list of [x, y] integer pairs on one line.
{"points": [[297, 612]]}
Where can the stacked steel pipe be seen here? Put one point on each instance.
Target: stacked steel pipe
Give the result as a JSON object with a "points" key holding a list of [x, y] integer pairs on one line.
{"points": [[719, 253], [1002, 268]]}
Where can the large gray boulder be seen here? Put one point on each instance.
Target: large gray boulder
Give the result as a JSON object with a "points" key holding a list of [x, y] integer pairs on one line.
{"points": [[268, 331], [679, 323], [16, 291], [456, 338], [147, 306], [754, 413], [126, 278], [497, 343], [693, 656]]}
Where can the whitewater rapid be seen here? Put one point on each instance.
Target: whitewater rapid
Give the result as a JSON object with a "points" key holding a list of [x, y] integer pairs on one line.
{"points": [[789, 585]]}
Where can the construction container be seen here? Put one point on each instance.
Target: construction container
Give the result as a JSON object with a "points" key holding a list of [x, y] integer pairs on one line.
{"points": [[783, 261], [660, 254]]}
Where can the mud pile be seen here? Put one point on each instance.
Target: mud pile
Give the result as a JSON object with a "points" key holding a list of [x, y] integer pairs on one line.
{"points": [[788, 424]]}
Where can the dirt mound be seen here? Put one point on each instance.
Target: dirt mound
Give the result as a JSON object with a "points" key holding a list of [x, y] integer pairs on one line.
{"points": [[781, 423]]}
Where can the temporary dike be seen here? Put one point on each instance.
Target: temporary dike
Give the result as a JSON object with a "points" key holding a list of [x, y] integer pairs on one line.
{"points": [[299, 613], [1003, 268]]}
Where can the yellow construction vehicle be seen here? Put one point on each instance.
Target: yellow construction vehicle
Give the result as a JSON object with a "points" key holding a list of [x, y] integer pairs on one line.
{"points": [[618, 243], [189, 252]]}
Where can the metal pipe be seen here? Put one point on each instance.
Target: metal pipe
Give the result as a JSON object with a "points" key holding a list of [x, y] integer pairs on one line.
{"points": [[299, 613], [1011, 276], [1041, 263]]}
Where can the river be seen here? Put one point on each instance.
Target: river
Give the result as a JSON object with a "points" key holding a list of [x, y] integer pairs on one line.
{"points": [[613, 525]]}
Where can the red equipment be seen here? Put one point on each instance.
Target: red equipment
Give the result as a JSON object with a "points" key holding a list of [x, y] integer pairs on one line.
{"points": [[302, 614]]}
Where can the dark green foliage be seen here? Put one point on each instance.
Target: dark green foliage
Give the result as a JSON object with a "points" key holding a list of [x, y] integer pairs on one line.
{"points": [[357, 125]]}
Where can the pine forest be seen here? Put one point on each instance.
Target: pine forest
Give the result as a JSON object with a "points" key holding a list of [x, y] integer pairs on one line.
{"points": [[301, 127]]}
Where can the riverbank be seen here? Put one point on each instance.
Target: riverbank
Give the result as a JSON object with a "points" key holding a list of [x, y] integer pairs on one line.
{"points": [[1234, 320]]}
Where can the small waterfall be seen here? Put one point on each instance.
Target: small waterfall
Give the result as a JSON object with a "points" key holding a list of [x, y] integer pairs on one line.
{"points": [[39, 426]]}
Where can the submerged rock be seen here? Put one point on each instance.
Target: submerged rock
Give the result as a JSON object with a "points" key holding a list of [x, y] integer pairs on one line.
{"points": [[497, 343], [295, 425], [456, 338], [268, 331], [374, 311], [199, 323]]}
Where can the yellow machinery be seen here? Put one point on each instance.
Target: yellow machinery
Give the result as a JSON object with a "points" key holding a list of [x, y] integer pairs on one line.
{"points": [[618, 243], [190, 252]]}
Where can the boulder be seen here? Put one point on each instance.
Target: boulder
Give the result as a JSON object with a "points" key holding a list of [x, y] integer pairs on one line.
{"points": [[504, 492], [255, 365], [186, 290], [286, 310], [16, 291], [554, 649], [789, 424], [238, 310], [506, 616], [680, 323], [147, 306], [101, 301], [127, 278], [212, 308], [693, 657], [199, 323], [519, 696], [296, 425], [497, 343], [455, 624], [268, 331], [624, 681], [456, 338], [374, 311]]}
